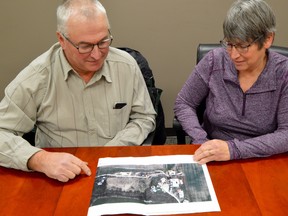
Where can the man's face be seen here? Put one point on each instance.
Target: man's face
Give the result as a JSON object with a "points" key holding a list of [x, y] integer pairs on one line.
{"points": [[90, 31]]}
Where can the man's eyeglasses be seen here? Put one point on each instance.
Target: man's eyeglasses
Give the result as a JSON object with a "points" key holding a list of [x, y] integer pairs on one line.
{"points": [[241, 48], [88, 47]]}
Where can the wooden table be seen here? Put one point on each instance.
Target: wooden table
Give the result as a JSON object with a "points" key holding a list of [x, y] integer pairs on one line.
{"points": [[246, 187]]}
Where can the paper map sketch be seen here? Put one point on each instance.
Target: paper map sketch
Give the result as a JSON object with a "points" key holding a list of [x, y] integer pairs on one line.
{"points": [[152, 185]]}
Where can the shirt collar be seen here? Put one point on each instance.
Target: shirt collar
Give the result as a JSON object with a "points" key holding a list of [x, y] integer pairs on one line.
{"points": [[103, 72], [67, 69]]}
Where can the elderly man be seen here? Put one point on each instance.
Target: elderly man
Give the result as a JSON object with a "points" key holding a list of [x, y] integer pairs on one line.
{"points": [[81, 92]]}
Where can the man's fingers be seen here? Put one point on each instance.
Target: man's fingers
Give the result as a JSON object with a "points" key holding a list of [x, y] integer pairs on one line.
{"points": [[83, 167], [62, 178]]}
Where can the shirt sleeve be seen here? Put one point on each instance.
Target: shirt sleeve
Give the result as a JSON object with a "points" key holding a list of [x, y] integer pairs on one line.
{"points": [[15, 120], [18, 110]]}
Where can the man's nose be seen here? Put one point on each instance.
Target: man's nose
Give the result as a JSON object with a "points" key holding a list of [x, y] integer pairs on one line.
{"points": [[96, 52]]}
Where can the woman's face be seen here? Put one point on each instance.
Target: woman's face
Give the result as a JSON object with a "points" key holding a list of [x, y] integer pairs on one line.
{"points": [[252, 58]]}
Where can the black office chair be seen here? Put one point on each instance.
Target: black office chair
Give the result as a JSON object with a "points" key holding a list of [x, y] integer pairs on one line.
{"points": [[202, 50]]}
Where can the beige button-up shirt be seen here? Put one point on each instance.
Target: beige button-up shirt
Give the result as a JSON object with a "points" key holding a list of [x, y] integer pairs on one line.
{"points": [[70, 113]]}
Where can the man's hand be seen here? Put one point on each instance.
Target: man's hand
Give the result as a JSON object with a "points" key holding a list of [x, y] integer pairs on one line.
{"points": [[56, 165], [212, 150]]}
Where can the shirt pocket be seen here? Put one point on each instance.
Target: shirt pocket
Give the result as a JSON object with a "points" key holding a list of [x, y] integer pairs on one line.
{"points": [[118, 119]]}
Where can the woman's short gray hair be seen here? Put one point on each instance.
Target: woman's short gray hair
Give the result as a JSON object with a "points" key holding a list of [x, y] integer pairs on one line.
{"points": [[248, 20], [81, 7]]}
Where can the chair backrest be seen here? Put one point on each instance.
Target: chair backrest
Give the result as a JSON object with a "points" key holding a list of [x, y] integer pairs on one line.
{"points": [[279, 49], [203, 49]]}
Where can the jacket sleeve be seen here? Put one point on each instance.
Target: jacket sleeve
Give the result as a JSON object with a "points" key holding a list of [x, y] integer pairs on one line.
{"points": [[189, 98]]}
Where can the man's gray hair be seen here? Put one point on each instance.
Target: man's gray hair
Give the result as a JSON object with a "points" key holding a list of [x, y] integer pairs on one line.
{"points": [[248, 20], [84, 8]]}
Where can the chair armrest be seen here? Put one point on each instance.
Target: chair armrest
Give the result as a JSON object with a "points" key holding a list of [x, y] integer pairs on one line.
{"points": [[30, 136], [149, 140], [180, 133]]}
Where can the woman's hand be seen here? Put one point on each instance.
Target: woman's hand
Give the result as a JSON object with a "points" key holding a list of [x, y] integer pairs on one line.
{"points": [[212, 150]]}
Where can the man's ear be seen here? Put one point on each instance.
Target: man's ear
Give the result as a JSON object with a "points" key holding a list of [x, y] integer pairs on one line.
{"points": [[60, 39], [269, 40]]}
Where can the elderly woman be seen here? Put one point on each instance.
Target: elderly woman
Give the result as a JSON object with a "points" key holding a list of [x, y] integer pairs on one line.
{"points": [[246, 90]]}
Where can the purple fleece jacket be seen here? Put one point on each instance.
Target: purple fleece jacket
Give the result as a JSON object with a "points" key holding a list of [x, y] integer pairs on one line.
{"points": [[254, 123]]}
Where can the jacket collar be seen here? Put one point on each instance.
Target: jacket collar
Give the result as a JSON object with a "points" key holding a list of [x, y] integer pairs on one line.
{"points": [[265, 82]]}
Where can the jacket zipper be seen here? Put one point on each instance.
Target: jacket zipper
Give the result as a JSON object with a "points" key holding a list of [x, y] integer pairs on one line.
{"points": [[244, 104]]}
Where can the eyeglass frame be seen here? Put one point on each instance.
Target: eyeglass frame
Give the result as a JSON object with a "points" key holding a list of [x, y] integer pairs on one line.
{"points": [[243, 49], [110, 38]]}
